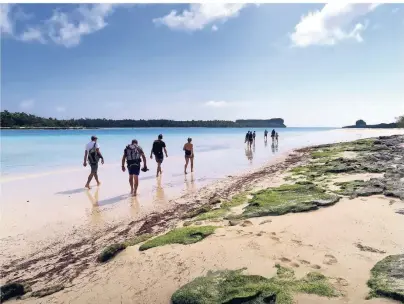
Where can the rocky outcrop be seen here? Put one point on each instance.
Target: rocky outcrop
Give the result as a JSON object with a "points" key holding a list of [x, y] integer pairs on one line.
{"points": [[362, 124], [387, 278]]}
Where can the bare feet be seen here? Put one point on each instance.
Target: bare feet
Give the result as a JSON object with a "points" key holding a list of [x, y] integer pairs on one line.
{"points": [[185, 172], [87, 186], [98, 183], [134, 193]]}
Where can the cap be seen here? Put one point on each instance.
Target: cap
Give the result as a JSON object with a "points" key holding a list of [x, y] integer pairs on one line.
{"points": [[94, 137]]}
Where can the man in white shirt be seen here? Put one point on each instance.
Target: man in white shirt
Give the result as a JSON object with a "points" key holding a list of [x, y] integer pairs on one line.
{"points": [[92, 154]]}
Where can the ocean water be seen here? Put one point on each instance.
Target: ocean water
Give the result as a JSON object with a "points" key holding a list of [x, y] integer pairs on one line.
{"points": [[34, 151]]}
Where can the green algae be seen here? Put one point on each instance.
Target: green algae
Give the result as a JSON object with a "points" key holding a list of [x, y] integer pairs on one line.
{"points": [[138, 239], [387, 278], [236, 200], [110, 251], [348, 188], [231, 286], [213, 214], [284, 199], [184, 235]]}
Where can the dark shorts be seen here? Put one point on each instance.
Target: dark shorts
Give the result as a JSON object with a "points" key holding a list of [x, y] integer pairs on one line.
{"points": [[134, 170], [159, 158], [94, 168]]}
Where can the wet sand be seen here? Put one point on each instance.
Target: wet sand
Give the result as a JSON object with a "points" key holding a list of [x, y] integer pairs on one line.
{"points": [[153, 276]]}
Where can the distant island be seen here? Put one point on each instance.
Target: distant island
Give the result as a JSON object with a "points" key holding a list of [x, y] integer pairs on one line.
{"points": [[21, 120], [362, 124]]}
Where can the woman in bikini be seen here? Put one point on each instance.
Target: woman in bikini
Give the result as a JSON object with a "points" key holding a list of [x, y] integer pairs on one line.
{"points": [[189, 155]]}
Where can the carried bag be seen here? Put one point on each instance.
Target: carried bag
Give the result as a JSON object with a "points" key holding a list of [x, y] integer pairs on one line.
{"points": [[93, 156]]}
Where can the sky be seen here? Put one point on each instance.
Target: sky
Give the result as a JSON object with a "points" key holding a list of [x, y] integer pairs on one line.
{"points": [[310, 64]]}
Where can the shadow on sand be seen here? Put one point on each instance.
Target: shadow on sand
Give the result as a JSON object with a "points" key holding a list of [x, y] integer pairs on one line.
{"points": [[72, 191]]}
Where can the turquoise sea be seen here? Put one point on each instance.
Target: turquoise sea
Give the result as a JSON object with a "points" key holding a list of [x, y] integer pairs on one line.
{"points": [[33, 151]]}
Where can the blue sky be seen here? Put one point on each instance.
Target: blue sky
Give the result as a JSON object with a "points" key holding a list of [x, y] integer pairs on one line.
{"points": [[311, 64]]}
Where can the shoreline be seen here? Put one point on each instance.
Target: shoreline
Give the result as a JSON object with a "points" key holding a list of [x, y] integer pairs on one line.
{"points": [[79, 256]]}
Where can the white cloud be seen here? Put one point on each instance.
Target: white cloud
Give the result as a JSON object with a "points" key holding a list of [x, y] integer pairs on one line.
{"points": [[32, 34], [395, 10], [216, 104], [332, 24], [27, 104], [214, 28], [62, 28], [200, 15], [6, 24], [60, 109]]}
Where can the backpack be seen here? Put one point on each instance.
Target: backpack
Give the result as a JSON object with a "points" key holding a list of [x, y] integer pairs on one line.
{"points": [[93, 156], [133, 155]]}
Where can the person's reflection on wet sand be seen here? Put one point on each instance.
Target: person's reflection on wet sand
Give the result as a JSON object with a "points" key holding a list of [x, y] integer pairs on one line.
{"points": [[276, 147], [95, 210], [273, 148], [190, 184], [266, 143], [249, 154], [160, 196], [134, 206]]}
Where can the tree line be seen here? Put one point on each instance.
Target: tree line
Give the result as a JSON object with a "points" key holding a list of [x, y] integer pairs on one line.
{"points": [[21, 119]]}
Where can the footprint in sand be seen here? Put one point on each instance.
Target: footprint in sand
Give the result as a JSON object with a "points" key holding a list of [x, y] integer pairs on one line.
{"points": [[275, 238], [329, 259], [297, 242], [296, 265], [285, 260], [315, 266], [304, 262]]}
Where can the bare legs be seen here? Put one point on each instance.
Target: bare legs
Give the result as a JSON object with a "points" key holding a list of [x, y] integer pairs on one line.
{"points": [[186, 164], [158, 169], [187, 159], [90, 177], [134, 183]]}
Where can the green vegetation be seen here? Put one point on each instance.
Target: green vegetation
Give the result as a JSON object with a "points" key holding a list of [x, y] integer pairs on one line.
{"points": [[288, 198], [236, 200], [400, 121], [112, 250], [138, 239], [185, 236], [387, 278], [213, 214], [348, 188], [231, 286], [109, 252], [15, 120]]}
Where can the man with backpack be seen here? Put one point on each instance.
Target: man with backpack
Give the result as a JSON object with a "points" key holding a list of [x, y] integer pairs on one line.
{"points": [[93, 155], [133, 154]]}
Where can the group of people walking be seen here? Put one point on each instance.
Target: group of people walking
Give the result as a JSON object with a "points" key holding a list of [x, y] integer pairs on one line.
{"points": [[133, 156], [250, 137]]}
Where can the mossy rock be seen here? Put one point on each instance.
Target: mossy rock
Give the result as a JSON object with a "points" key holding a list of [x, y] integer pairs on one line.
{"points": [[184, 235], [224, 287], [348, 188], [109, 252], [12, 290], [138, 239], [213, 214], [387, 278], [287, 199], [196, 212], [231, 286]]}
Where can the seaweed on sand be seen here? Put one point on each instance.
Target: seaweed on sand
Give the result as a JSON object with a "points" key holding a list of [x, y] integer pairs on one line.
{"points": [[231, 286], [184, 235], [288, 198], [387, 278]]}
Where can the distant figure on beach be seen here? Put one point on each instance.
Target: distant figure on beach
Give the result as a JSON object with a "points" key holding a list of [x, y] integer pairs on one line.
{"points": [[265, 135], [133, 154], [254, 136], [276, 137], [92, 154], [247, 136], [189, 154], [158, 146], [250, 139], [273, 135]]}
